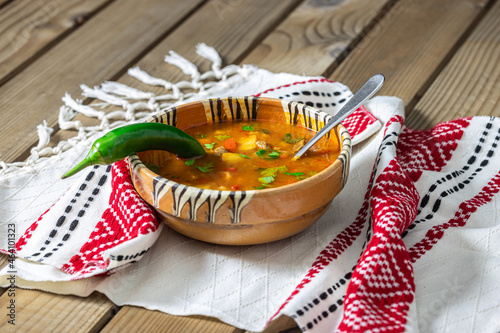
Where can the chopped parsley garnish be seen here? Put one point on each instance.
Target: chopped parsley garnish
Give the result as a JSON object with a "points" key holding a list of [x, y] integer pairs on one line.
{"points": [[261, 152], [201, 136], [268, 175], [209, 145], [259, 187], [243, 155], [295, 174], [273, 171], [207, 167], [274, 154], [289, 139], [253, 128], [222, 137], [266, 180], [267, 154], [189, 162]]}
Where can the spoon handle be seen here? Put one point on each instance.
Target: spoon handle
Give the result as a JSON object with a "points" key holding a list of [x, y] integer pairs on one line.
{"points": [[366, 91]]}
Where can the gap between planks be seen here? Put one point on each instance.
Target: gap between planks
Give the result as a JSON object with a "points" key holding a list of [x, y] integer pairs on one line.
{"points": [[469, 84], [33, 28], [446, 60], [4, 3], [407, 49], [152, 46], [47, 312], [35, 91]]}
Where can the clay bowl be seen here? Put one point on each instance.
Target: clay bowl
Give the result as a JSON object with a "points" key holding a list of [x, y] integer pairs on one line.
{"points": [[242, 217]]}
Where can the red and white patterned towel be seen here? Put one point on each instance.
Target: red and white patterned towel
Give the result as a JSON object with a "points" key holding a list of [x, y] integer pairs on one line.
{"points": [[410, 244], [83, 239]]}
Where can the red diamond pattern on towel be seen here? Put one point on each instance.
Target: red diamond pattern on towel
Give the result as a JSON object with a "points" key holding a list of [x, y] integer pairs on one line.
{"points": [[334, 249], [429, 150], [382, 286], [126, 217], [358, 121]]}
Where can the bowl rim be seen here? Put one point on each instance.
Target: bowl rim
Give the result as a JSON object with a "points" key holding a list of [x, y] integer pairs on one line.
{"points": [[339, 129]]}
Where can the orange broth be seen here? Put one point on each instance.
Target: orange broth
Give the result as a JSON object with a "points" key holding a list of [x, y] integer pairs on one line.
{"points": [[249, 155]]}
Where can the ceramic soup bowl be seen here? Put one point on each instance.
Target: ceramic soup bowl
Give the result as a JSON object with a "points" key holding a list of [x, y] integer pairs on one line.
{"points": [[242, 217]]}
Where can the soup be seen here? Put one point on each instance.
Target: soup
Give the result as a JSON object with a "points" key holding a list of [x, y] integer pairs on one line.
{"points": [[248, 155]]}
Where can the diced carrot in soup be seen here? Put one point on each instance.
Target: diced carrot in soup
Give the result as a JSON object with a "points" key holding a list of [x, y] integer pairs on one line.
{"points": [[252, 155], [230, 144]]}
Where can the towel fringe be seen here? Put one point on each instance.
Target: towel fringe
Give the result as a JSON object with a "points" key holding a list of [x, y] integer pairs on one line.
{"points": [[134, 105]]}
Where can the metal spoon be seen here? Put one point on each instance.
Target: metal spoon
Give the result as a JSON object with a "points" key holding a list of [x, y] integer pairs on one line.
{"points": [[366, 91]]}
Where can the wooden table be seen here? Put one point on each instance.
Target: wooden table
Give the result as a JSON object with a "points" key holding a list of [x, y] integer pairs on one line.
{"points": [[442, 57]]}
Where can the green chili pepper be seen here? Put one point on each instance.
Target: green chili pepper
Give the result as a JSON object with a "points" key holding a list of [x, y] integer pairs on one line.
{"points": [[127, 140]]}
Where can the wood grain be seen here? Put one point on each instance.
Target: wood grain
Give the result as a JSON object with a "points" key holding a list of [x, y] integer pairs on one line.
{"points": [[134, 319], [220, 28], [470, 84], [315, 35], [409, 46], [28, 27], [99, 51], [46, 312]]}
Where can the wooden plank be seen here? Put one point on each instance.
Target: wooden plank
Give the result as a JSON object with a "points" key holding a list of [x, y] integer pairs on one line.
{"points": [[220, 28], [28, 27], [118, 35], [470, 84], [4, 2], [406, 47], [45, 312], [134, 319], [315, 35]]}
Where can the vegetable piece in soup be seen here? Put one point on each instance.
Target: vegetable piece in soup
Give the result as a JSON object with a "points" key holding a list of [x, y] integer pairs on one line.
{"points": [[249, 155]]}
